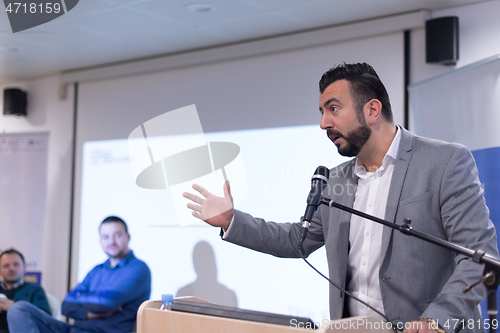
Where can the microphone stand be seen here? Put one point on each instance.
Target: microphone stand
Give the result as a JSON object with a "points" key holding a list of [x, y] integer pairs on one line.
{"points": [[491, 271]]}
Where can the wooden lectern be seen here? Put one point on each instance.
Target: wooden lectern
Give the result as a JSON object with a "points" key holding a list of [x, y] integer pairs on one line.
{"points": [[150, 319]]}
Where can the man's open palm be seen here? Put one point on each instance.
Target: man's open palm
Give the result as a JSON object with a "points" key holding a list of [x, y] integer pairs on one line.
{"points": [[214, 210]]}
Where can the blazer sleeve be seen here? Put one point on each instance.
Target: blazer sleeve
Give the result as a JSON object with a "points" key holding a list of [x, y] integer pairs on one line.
{"points": [[277, 239], [465, 218]]}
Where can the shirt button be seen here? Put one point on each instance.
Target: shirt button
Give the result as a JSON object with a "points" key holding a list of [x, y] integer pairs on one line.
{"points": [[371, 204], [363, 291], [363, 262], [367, 234]]}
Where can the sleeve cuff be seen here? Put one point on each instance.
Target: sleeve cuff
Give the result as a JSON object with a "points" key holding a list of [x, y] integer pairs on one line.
{"points": [[223, 231]]}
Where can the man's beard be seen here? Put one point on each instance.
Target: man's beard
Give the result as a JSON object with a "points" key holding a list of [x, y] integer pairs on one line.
{"points": [[356, 139], [15, 280]]}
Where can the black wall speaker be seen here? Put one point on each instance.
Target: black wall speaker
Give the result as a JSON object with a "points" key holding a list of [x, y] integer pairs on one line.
{"points": [[441, 40], [14, 102]]}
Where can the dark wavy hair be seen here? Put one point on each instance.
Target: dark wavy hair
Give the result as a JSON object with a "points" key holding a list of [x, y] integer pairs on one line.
{"points": [[365, 85], [115, 219], [13, 251]]}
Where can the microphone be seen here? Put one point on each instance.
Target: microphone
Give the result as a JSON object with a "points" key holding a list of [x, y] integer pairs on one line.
{"points": [[318, 183]]}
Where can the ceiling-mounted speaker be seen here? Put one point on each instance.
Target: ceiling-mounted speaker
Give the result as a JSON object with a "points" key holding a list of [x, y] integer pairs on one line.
{"points": [[441, 40], [14, 102]]}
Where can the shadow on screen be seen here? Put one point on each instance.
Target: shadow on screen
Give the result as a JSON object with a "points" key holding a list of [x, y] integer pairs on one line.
{"points": [[206, 285]]}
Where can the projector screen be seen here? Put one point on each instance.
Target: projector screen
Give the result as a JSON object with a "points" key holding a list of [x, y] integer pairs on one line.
{"points": [[278, 164], [259, 103]]}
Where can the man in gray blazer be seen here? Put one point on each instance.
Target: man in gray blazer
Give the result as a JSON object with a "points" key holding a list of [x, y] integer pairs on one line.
{"points": [[395, 175]]}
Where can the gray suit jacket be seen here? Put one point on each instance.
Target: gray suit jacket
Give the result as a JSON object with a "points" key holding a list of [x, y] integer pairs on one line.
{"points": [[436, 185]]}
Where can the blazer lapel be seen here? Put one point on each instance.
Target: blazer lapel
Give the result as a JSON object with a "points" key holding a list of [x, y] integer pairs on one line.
{"points": [[348, 195], [397, 181], [350, 189], [344, 223]]}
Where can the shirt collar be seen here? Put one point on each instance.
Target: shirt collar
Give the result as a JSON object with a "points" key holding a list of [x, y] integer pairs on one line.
{"points": [[122, 261], [390, 155], [17, 284]]}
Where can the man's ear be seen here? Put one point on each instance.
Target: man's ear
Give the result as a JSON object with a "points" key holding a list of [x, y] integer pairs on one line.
{"points": [[373, 110]]}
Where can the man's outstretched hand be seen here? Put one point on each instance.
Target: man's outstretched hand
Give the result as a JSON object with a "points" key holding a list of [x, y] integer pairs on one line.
{"points": [[214, 210]]}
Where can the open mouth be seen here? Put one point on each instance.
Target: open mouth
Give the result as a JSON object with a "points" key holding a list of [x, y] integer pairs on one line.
{"points": [[334, 136], [335, 139]]}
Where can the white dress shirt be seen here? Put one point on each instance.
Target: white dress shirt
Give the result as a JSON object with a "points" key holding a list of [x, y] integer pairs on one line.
{"points": [[365, 236]]}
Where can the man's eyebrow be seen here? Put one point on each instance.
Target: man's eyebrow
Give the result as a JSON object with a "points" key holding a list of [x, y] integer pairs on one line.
{"points": [[330, 101]]}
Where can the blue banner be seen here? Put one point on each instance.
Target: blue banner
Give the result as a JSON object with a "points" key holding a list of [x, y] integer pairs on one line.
{"points": [[487, 161]]}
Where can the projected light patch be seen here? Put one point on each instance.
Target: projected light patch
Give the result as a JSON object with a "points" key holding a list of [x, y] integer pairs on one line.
{"points": [[170, 151]]}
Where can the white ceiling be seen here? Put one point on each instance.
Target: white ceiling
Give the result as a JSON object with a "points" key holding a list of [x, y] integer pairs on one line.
{"points": [[97, 32]]}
